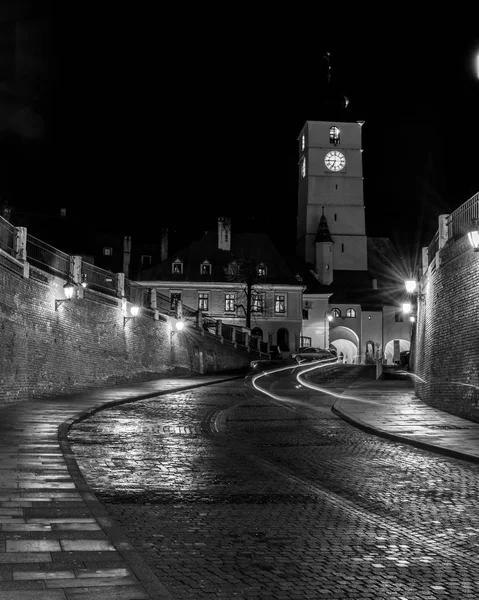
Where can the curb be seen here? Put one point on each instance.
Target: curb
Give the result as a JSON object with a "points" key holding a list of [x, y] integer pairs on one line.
{"points": [[394, 437], [115, 534]]}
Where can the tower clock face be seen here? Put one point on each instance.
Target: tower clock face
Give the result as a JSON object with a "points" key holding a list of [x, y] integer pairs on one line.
{"points": [[334, 160]]}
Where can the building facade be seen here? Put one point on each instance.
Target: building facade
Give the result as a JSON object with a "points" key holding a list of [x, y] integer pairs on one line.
{"points": [[237, 278]]}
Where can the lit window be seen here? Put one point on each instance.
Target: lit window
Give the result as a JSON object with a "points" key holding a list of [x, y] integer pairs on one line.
{"points": [[202, 301], [303, 142], [304, 341], [261, 270], [257, 303], [107, 251], [230, 302], [351, 313], [177, 267], [175, 297], [336, 313], [146, 259], [205, 268], [279, 304], [303, 167], [334, 135]]}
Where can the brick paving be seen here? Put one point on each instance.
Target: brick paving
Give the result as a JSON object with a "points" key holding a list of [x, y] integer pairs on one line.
{"points": [[57, 542], [227, 493]]}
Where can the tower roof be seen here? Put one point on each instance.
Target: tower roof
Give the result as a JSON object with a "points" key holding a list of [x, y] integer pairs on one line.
{"points": [[323, 234]]}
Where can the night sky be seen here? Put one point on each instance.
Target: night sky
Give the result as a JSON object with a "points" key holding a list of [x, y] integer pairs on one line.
{"points": [[174, 120]]}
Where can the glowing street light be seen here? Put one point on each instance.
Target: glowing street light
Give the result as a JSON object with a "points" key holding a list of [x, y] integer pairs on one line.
{"points": [[134, 311], [406, 308], [410, 286], [473, 235]]}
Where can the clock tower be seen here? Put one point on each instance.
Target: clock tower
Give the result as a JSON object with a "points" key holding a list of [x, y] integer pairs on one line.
{"points": [[330, 190]]}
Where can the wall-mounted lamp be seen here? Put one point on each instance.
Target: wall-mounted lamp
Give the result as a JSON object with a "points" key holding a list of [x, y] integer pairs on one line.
{"points": [[473, 235], [406, 308], [134, 311], [411, 286], [412, 318], [68, 290], [179, 326], [84, 281]]}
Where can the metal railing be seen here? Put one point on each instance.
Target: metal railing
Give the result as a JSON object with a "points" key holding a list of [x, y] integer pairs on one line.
{"points": [[460, 221], [7, 236], [99, 279], [47, 258]]}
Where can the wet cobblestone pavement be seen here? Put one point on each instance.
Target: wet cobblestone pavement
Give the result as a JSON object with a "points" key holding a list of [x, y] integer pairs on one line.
{"points": [[227, 493]]}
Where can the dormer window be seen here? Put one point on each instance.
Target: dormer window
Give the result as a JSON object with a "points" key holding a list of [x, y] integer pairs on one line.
{"points": [[107, 251], [233, 268], [303, 167], [334, 135], [205, 268], [261, 270], [303, 142], [177, 267]]}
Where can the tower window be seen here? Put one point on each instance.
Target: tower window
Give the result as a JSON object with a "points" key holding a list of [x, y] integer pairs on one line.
{"points": [[335, 217], [107, 251], [303, 167], [336, 313], [351, 313], [334, 135], [342, 247], [261, 270]]}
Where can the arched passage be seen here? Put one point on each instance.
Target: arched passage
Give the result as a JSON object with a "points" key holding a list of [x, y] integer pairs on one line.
{"points": [[391, 349], [346, 342]]}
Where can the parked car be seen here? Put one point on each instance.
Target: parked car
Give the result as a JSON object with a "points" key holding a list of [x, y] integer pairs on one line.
{"points": [[311, 353]]}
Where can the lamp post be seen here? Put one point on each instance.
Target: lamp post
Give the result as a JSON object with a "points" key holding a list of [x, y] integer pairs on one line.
{"points": [[328, 317]]}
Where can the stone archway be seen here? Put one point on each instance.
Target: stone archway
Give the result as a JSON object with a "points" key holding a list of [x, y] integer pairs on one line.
{"points": [[389, 349], [346, 342]]}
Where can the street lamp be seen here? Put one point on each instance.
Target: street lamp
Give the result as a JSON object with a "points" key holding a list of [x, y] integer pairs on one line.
{"points": [[68, 290], [134, 311], [410, 285], [473, 235], [179, 326], [406, 307], [328, 317]]}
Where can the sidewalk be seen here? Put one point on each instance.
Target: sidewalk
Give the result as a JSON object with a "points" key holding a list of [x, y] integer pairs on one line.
{"points": [[56, 540], [390, 409]]}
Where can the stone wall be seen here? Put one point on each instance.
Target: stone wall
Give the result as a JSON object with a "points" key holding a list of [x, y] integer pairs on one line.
{"points": [[447, 342], [85, 344]]}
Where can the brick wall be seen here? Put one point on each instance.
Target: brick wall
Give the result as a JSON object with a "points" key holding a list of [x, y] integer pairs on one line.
{"points": [[84, 343], [447, 342]]}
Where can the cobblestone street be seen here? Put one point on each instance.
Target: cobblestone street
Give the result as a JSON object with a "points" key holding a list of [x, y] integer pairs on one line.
{"points": [[227, 493]]}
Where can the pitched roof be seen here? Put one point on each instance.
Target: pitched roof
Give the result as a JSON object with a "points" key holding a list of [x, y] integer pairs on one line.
{"points": [[254, 246], [323, 235]]}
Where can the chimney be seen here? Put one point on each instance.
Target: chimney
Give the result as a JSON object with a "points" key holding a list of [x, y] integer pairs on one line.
{"points": [[126, 255], [224, 233], [164, 245]]}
